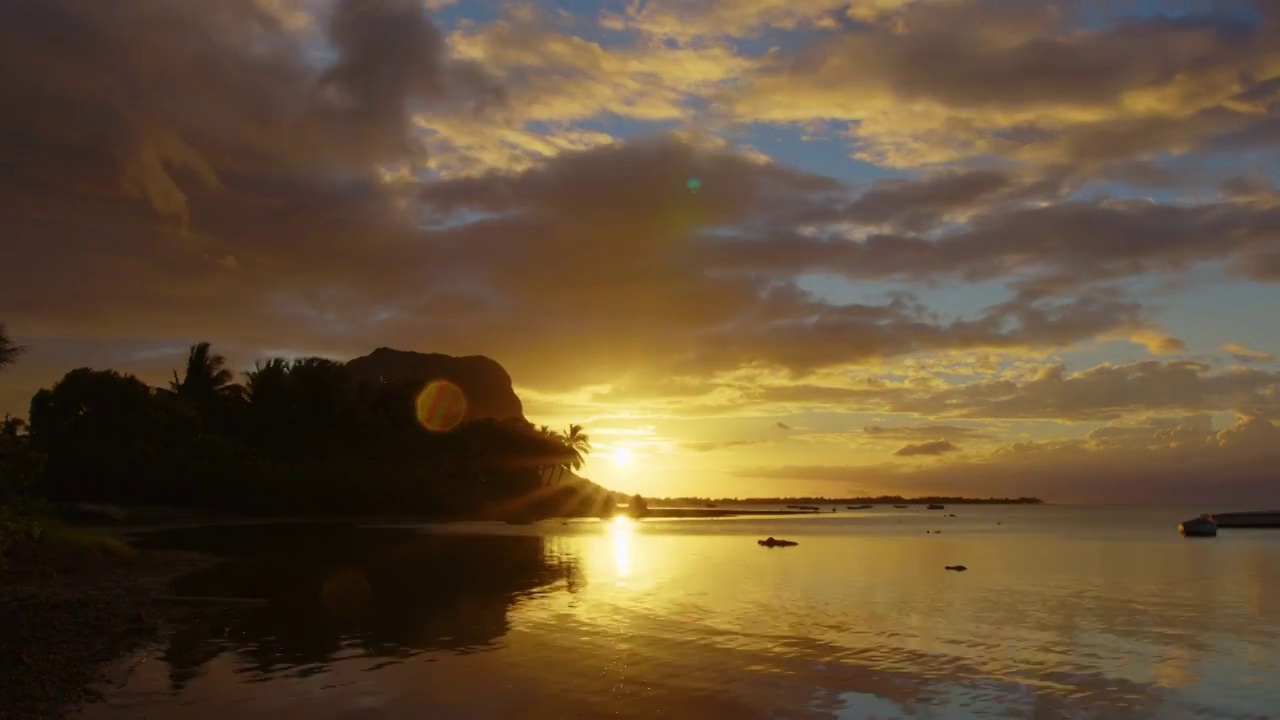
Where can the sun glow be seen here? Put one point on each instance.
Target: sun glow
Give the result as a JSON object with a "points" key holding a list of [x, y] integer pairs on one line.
{"points": [[622, 457]]}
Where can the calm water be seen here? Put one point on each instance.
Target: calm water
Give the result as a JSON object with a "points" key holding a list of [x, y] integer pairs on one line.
{"points": [[1065, 612]]}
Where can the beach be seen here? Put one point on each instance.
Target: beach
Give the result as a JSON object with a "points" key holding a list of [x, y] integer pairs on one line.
{"points": [[62, 626]]}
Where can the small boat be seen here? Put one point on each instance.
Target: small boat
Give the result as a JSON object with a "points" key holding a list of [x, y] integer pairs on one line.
{"points": [[858, 507], [1198, 527], [899, 506], [935, 506], [804, 507]]}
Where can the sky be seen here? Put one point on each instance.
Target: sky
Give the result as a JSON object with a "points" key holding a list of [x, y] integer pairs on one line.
{"points": [[756, 247]]}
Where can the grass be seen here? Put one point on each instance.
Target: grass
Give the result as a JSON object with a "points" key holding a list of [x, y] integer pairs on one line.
{"points": [[64, 544], [31, 539]]}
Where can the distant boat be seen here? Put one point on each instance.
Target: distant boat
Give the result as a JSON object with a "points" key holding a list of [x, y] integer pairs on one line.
{"points": [[899, 506], [1198, 527], [935, 506], [804, 507], [858, 507]]}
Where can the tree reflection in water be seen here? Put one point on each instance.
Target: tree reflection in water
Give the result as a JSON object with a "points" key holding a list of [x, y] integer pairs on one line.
{"points": [[333, 592]]}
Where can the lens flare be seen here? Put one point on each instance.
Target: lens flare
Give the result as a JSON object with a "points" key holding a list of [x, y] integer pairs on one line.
{"points": [[694, 185], [441, 406]]}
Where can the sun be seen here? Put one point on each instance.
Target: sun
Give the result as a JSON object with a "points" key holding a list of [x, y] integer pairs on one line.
{"points": [[622, 457]]}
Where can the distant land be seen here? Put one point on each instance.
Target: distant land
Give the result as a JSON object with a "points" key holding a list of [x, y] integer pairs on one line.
{"points": [[877, 500]]}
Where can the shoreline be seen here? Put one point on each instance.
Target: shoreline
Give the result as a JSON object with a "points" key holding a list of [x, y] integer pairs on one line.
{"points": [[62, 627]]}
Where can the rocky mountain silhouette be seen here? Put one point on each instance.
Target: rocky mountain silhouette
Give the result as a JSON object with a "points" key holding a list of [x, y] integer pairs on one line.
{"points": [[484, 382]]}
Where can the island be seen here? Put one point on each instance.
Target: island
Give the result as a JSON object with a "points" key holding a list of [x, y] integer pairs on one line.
{"points": [[813, 503], [1253, 519]]}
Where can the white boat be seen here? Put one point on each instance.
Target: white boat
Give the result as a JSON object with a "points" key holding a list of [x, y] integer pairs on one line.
{"points": [[1198, 527]]}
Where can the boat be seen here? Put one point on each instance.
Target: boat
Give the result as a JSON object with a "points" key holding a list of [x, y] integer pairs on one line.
{"points": [[1255, 519], [1198, 527], [935, 506], [858, 507], [804, 507], [899, 506]]}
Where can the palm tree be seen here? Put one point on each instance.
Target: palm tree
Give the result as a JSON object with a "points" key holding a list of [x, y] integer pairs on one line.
{"points": [[265, 379], [578, 445], [206, 383], [8, 351], [550, 467]]}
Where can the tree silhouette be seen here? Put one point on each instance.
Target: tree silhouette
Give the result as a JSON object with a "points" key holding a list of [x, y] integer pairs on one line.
{"points": [[9, 352], [638, 507], [303, 436], [266, 381], [207, 384], [578, 444], [12, 426]]}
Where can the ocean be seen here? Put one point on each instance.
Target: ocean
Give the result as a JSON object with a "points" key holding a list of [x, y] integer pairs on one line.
{"points": [[1063, 612]]}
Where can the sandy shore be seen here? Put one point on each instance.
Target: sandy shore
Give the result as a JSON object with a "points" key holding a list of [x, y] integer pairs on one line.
{"points": [[59, 627]]}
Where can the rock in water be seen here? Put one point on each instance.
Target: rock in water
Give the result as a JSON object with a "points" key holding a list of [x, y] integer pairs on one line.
{"points": [[774, 542], [957, 568]]}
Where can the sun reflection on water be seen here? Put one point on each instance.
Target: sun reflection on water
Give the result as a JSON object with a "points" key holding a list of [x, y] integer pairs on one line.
{"points": [[621, 529]]}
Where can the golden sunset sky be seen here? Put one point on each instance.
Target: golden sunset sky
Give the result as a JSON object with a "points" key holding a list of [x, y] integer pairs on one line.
{"points": [[1011, 247]]}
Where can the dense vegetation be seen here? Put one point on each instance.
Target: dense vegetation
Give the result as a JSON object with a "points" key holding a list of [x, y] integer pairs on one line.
{"points": [[297, 437]]}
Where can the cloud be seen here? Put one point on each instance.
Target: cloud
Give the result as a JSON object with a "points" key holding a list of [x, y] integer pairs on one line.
{"points": [[942, 81], [226, 91], [1047, 248], [1157, 343], [1165, 461], [1243, 354], [932, 448], [711, 445], [711, 18], [922, 203], [922, 432], [554, 81], [1103, 392]]}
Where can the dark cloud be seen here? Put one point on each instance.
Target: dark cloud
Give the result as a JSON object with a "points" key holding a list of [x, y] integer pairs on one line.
{"points": [[159, 100], [710, 445], [1103, 392], [932, 448], [1031, 80], [1059, 246], [922, 203], [1242, 354], [922, 432]]}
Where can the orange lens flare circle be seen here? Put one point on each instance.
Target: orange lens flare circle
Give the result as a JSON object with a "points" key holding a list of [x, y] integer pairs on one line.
{"points": [[441, 406]]}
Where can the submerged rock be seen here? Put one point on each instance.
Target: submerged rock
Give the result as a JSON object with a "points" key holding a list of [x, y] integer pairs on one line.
{"points": [[774, 542]]}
